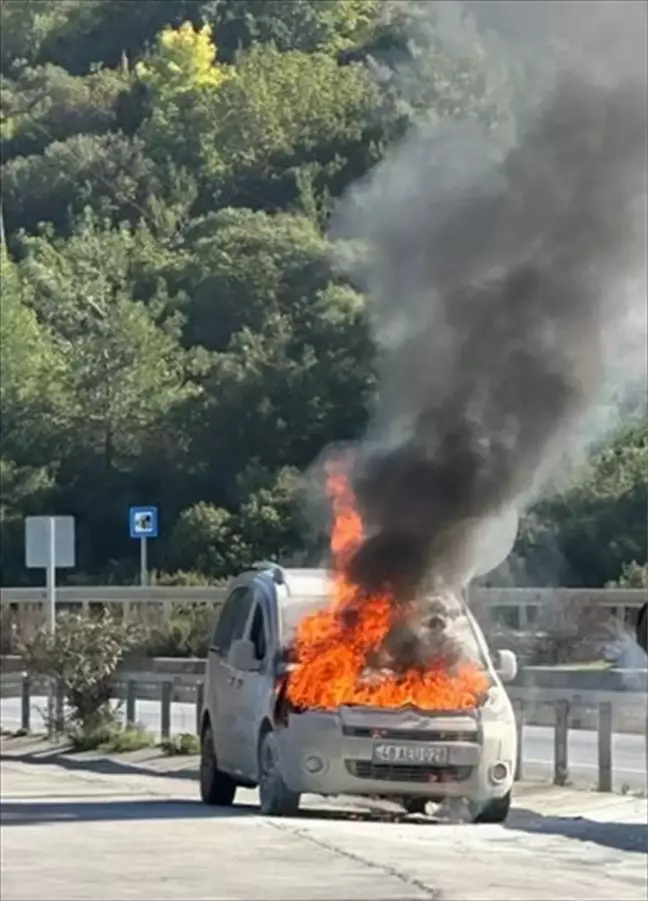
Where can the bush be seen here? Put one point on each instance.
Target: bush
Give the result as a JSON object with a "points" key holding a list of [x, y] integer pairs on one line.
{"points": [[184, 744], [82, 656], [633, 575], [182, 577], [105, 732], [578, 631], [184, 633]]}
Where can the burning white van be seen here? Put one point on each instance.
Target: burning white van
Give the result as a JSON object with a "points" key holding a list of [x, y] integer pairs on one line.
{"points": [[258, 729]]}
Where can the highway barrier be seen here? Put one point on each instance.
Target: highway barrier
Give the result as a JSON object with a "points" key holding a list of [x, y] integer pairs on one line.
{"points": [[518, 608], [186, 684]]}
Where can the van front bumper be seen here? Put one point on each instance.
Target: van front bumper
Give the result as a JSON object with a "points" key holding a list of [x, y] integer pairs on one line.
{"points": [[321, 755]]}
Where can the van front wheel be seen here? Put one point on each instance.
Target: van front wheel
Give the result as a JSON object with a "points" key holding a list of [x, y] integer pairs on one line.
{"points": [[494, 811], [216, 788], [275, 798]]}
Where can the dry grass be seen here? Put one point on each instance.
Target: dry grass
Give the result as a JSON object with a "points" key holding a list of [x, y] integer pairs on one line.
{"points": [[168, 630]]}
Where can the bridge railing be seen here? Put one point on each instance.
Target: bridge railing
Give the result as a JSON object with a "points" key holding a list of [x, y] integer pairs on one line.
{"points": [[169, 689], [519, 608]]}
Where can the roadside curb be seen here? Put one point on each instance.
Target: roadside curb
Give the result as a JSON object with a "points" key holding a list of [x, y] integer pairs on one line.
{"points": [[534, 798], [148, 761]]}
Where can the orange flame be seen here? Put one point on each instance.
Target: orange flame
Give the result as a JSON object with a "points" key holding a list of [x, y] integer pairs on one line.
{"points": [[332, 647]]}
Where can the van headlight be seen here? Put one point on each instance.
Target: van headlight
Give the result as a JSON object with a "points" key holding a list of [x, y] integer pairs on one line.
{"points": [[496, 704]]}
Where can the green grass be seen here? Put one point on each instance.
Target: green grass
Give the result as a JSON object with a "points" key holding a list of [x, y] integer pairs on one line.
{"points": [[184, 744], [130, 738], [111, 737]]}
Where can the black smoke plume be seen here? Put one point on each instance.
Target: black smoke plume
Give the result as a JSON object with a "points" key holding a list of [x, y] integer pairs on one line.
{"points": [[501, 286]]}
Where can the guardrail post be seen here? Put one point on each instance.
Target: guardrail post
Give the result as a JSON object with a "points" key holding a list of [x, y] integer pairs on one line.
{"points": [[519, 725], [200, 700], [59, 709], [605, 747], [131, 698], [561, 730], [165, 714], [25, 703]]}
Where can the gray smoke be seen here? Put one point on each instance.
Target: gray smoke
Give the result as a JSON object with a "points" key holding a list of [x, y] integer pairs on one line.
{"points": [[505, 287]]}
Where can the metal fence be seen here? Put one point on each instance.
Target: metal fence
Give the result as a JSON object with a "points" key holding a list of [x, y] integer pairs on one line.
{"points": [[517, 608], [132, 687]]}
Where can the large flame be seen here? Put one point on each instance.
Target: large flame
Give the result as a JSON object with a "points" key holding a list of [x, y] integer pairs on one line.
{"points": [[335, 648]]}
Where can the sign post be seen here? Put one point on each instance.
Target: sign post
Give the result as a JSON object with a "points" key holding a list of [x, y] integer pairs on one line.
{"points": [[49, 545], [50, 575], [143, 524]]}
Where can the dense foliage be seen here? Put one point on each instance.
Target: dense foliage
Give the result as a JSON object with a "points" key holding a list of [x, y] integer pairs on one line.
{"points": [[172, 330]]}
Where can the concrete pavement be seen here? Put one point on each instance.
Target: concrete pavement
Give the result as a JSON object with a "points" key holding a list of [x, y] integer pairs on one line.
{"points": [[85, 828]]}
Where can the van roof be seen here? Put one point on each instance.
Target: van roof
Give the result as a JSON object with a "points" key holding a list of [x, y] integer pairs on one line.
{"points": [[306, 583]]}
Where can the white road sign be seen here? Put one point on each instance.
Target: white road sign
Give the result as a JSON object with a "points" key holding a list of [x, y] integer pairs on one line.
{"points": [[37, 542]]}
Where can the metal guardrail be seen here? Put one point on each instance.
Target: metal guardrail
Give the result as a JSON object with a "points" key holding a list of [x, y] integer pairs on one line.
{"points": [[562, 701], [519, 607], [113, 594]]}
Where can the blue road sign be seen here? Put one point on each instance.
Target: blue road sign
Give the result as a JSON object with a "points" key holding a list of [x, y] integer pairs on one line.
{"points": [[143, 522]]}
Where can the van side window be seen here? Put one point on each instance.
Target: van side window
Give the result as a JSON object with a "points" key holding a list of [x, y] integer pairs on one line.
{"points": [[232, 620], [258, 634]]}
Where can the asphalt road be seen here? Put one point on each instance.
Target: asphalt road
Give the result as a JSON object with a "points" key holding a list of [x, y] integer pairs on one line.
{"points": [[79, 833], [628, 751]]}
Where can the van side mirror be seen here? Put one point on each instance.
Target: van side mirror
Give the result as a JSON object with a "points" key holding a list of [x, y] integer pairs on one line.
{"points": [[506, 665], [242, 656]]}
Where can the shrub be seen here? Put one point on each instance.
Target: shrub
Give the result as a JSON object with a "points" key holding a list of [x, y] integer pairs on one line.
{"points": [[106, 732], [82, 656], [183, 633], [184, 744]]}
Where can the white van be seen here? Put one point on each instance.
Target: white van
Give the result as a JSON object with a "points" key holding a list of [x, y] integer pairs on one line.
{"points": [[409, 755]]}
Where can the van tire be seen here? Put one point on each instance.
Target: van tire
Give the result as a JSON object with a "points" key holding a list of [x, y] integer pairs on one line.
{"points": [[216, 788], [494, 811], [275, 798]]}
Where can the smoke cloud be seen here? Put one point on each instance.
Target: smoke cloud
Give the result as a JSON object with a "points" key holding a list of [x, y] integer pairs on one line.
{"points": [[507, 290]]}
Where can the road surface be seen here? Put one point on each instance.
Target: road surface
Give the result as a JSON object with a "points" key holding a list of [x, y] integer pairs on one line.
{"points": [[628, 751], [84, 834]]}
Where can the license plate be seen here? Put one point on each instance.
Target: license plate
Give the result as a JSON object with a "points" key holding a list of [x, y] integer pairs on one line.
{"points": [[411, 754]]}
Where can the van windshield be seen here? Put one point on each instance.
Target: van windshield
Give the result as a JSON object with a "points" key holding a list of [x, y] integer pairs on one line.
{"points": [[298, 608], [460, 624]]}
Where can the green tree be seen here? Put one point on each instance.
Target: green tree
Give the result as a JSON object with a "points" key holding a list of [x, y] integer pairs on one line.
{"points": [[632, 576], [263, 132], [125, 369], [586, 535], [25, 26], [125, 375], [288, 122], [46, 104], [180, 75], [205, 538], [25, 490], [305, 25], [109, 32], [32, 369], [111, 172], [288, 367], [269, 516]]}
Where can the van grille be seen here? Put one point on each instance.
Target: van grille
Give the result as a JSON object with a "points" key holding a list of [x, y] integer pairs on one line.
{"points": [[471, 736], [387, 772]]}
